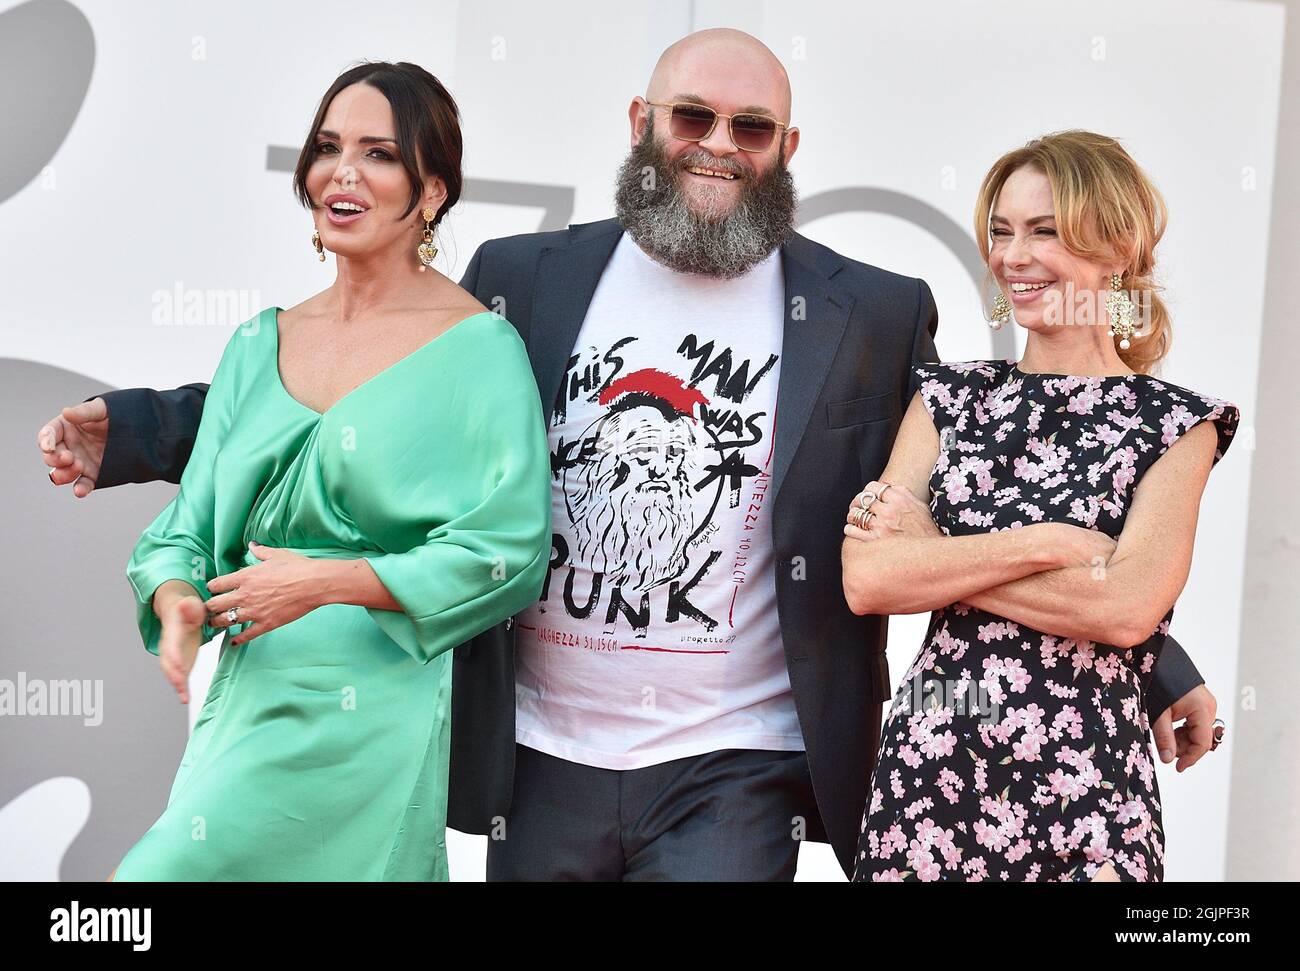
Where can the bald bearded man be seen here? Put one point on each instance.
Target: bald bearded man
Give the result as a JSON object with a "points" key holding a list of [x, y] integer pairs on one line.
{"points": [[690, 697]]}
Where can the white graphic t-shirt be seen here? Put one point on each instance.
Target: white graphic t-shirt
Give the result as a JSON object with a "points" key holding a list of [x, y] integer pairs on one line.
{"points": [[656, 636]]}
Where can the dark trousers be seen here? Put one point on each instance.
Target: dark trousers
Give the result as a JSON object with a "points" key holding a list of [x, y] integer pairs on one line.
{"points": [[736, 814]]}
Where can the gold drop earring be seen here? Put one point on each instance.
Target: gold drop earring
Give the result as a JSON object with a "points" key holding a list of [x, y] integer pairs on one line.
{"points": [[315, 241], [1120, 310], [1001, 311], [426, 250]]}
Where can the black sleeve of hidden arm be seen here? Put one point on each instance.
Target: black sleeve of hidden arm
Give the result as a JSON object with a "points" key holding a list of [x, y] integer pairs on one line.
{"points": [[150, 434]]}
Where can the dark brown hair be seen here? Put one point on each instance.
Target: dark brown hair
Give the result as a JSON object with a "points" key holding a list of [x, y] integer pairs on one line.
{"points": [[428, 128]]}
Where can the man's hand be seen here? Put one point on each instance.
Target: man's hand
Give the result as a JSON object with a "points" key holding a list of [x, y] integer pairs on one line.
{"points": [[72, 444], [1193, 738]]}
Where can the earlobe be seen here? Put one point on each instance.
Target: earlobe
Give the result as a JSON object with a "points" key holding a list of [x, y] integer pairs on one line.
{"points": [[435, 194], [636, 119], [791, 143]]}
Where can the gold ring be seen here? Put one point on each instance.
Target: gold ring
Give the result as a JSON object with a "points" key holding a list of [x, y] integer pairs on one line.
{"points": [[866, 499]]}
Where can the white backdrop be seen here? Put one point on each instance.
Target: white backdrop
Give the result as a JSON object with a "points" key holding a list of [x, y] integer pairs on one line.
{"points": [[170, 179]]}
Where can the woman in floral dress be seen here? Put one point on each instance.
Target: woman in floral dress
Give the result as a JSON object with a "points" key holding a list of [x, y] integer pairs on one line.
{"points": [[1045, 511]]}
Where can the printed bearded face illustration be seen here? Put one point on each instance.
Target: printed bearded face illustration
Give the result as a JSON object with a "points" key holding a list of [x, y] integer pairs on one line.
{"points": [[630, 496]]}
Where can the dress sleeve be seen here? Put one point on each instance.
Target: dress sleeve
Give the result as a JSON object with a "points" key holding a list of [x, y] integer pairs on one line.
{"points": [[487, 562], [1182, 411], [946, 389], [179, 544]]}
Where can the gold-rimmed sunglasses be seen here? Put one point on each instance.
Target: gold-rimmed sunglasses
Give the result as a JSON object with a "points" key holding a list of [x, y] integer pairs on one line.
{"points": [[693, 122]]}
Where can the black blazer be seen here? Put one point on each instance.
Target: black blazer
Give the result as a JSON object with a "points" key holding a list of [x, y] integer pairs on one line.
{"points": [[852, 333]]}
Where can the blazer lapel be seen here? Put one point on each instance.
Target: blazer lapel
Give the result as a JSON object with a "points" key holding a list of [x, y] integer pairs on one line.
{"points": [[816, 312], [567, 276]]}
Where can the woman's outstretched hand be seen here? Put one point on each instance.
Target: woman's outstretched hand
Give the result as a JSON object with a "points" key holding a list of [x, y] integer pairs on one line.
{"points": [[269, 594], [182, 635]]}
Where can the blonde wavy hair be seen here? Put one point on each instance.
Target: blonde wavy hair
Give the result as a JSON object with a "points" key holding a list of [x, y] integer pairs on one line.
{"points": [[1107, 210]]}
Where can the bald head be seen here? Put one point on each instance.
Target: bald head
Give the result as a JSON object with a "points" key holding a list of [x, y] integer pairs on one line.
{"points": [[722, 65], [720, 208]]}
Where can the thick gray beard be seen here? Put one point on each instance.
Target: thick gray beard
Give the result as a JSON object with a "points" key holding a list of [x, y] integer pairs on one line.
{"points": [[660, 220]]}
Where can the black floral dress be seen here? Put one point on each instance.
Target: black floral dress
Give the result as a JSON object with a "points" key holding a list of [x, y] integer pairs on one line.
{"points": [[1011, 753]]}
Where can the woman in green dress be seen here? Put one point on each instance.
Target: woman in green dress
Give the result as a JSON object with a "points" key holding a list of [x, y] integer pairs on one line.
{"points": [[369, 488]]}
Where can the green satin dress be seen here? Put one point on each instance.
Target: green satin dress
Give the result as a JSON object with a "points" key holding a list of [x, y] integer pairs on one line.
{"points": [[322, 749]]}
